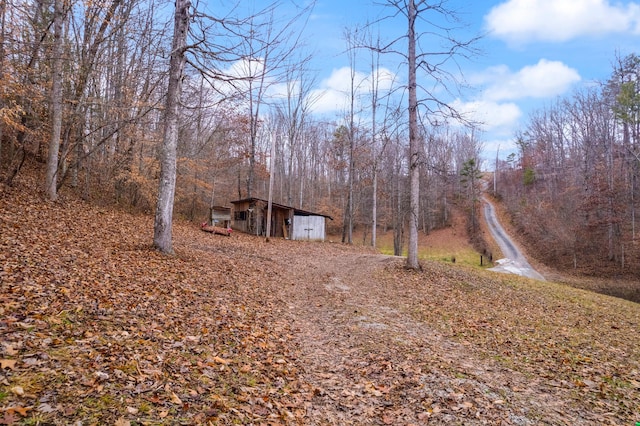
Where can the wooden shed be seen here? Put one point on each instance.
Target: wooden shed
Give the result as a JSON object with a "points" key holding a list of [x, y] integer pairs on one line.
{"points": [[250, 216], [220, 216]]}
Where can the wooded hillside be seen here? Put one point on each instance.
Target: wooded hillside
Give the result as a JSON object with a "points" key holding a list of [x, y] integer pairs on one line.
{"points": [[84, 90], [573, 187], [100, 127], [98, 327]]}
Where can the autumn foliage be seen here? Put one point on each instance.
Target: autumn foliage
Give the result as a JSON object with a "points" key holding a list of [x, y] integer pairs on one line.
{"points": [[99, 328], [572, 188]]}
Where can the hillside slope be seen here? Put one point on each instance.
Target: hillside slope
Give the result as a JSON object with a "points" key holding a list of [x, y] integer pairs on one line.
{"points": [[98, 328]]}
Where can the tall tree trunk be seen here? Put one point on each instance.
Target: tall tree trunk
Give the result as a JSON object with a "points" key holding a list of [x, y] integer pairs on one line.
{"points": [[166, 190], [374, 208], [56, 102], [414, 151], [3, 22], [398, 229], [253, 136]]}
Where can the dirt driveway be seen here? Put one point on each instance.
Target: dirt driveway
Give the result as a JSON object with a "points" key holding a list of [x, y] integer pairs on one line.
{"points": [[372, 360]]}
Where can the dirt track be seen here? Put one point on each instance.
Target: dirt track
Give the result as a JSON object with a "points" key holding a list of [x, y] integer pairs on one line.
{"points": [[371, 361]]}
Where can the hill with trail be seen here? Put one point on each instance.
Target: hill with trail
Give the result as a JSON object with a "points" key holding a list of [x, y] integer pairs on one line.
{"points": [[98, 328]]}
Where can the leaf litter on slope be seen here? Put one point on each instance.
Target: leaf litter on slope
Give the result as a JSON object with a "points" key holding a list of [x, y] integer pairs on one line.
{"points": [[99, 328]]}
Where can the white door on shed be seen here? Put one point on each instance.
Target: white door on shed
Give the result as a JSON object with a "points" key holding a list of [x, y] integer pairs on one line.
{"points": [[308, 228]]}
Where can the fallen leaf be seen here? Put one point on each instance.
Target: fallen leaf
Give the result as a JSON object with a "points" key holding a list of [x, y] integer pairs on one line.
{"points": [[7, 363], [424, 415], [17, 390], [122, 422], [9, 418], [371, 388], [132, 410], [222, 361], [175, 399], [22, 410], [172, 395], [101, 375], [46, 408], [10, 350]]}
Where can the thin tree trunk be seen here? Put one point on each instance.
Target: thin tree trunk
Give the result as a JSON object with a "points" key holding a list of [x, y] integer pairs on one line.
{"points": [[3, 13], [272, 149], [414, 152], [374, 209], [56, 103], [398, 231], [162, 239], [375, 77]]}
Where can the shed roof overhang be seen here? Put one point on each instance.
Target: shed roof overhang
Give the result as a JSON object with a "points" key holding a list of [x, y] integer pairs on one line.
{"points": [[296, 211]]}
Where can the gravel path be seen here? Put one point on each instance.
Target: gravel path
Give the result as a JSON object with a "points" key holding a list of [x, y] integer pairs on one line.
{"points": [[514, 262]]}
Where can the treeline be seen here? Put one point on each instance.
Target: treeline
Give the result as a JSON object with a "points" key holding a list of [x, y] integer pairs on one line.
{"points": [[574, 189], [112, 58]]}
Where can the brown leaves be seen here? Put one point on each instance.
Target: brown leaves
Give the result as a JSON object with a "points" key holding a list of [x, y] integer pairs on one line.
{"points": [[97, 327], [173, 398], [8, 364], [12, 415]]}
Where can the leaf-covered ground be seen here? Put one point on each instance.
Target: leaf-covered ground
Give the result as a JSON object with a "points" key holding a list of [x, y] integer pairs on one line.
{"points": [[98, 328]]}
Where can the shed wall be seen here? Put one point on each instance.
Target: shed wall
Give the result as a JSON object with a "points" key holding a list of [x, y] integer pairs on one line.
{"points": [[309, 228]]}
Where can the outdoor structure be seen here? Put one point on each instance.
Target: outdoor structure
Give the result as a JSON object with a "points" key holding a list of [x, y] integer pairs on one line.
{"points": [[220, 216], [250, 216]]}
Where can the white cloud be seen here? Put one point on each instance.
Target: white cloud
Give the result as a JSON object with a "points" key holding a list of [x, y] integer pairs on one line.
{"points": [[245, 68], [328, 100], [334, 92], [545, 79], [500, 146], [496, 107], [240, 72], [522, 21], [283, 90], [493, 116]]}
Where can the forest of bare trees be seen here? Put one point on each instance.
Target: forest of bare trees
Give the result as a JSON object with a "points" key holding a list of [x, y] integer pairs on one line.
{"points": [[86, 90], [573, 186]]}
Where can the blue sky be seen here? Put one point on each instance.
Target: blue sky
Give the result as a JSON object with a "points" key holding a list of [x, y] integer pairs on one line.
{"points": [[533, 52]]}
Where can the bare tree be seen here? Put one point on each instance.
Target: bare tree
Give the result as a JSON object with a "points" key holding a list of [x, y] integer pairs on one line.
{"points": [[378, 143], [162, 231], [24, 68], [56, 102], [265, 49], [414, 150], [294, 112], [3, 28], [347, 228], [433, 64]]}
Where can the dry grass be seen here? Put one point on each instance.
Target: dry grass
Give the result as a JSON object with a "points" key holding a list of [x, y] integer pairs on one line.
{"points": [[449, 245]]}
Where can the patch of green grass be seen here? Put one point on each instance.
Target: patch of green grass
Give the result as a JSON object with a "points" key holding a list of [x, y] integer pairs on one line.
{"points": [[145, 407], [386, 250], [129, 368], [466, 257], [36, 419]]}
